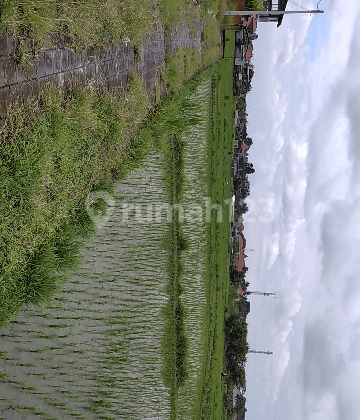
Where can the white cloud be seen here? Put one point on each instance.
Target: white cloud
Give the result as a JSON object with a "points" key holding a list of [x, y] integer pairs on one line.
{"points": [[306, 117]]}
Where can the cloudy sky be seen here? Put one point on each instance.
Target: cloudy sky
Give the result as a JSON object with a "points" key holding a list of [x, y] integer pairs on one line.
{"points": [[304, 118]]}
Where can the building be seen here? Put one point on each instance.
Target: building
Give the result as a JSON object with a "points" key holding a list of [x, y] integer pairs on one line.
{"points": [[269, 6], [239, 260], [244, 146], [250, 24]]}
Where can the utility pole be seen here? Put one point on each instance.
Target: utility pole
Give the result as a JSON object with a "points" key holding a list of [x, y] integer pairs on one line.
{"points": [[260, 352], [267, 12], [261, 293]]}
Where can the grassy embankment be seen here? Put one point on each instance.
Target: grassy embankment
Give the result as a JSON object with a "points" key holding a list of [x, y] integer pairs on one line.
{"points": [[182, 64], [87, 24], [220, 145], [54, 152], [36, 24]]}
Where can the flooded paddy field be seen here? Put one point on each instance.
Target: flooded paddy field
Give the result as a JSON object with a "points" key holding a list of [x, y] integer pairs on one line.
{"points": [[96, 351]]}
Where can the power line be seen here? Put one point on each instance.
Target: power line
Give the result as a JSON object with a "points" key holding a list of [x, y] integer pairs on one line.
{"points": [[260, 352], [302, 7], [298, 5]]}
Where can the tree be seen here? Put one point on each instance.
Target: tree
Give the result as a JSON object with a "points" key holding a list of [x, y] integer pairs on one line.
{"points": [[243, 208], [249, 168], [236, 348], [240, 402]]}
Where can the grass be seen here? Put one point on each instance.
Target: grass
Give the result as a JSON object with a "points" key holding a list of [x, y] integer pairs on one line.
{"points": [[54, 152], [174, 342], [97, 25], [220, 144], [89, 24], [172, 11], [229, 47], [181, 65]]}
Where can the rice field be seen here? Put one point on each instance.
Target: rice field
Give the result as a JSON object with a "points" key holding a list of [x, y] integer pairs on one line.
{"points": [[193, 279], [97, 351]]}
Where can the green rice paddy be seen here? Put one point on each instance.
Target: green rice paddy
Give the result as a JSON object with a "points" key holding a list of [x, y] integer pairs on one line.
{"points": [[136, 330]]}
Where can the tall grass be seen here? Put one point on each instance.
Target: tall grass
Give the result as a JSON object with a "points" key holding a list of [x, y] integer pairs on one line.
{"points": [[53, 152], [89, 24], [180, 66]]}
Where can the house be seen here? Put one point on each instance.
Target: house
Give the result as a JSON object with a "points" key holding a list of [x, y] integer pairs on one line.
{"points": [[242, 55], [269, 6], [250, 24], [244, 146], [239, 261], [238, 227]]}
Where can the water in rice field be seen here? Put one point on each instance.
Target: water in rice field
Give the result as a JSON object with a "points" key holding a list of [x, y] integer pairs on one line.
{"points": [[95, 353]]}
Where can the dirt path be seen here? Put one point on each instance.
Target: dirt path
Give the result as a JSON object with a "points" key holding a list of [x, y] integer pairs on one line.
{"points": [[58, 65]]}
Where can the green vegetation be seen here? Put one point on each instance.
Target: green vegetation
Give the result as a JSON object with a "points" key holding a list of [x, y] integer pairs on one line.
{"points": [[229, 47], [173, 12], [90, 23], [180, 66], [170, 119], [37, 24], [175, 244], [214, 21], [236, 349], [54, 151], [220, 144], [254, 5], [57, 149]]}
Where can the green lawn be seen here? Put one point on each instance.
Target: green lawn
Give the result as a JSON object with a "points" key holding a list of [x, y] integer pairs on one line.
{"points": [[229, 48]]}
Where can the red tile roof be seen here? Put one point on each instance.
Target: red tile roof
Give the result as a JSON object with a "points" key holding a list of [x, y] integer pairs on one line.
{"points": [[239, 261], [241, 240]]}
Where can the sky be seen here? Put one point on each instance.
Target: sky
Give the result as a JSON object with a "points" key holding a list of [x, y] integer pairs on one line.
{"points": [[304, 219]]}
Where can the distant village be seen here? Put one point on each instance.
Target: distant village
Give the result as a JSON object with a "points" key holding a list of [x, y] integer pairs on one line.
{"points": [[243, 31], [245, 34], [241, 167]]}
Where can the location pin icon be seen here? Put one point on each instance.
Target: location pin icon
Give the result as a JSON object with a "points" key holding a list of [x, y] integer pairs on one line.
{"points": [[99, 216]]}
